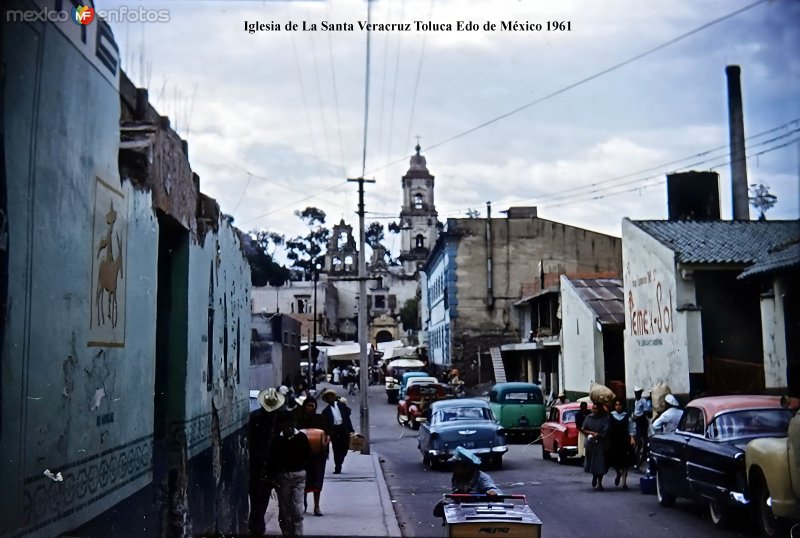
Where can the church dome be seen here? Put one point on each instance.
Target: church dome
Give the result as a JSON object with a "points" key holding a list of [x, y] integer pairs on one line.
{"points": [[417, 162]]}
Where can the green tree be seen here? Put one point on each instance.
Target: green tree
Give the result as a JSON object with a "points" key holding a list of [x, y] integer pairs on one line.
{"points": [[306, 251], [374, 235], [409, 314], [260, 246]]}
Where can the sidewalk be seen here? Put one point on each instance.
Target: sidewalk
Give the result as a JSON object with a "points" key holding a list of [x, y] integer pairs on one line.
{"points": [[354, 503]]}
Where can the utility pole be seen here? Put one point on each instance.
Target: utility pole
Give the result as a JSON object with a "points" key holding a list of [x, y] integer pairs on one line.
{"points": [[363, 315], [312, 364]]}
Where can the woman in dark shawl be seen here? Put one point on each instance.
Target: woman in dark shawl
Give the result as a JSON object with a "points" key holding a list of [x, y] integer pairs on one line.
{"points": [[595, 427], [621, 440], [315, 429]]}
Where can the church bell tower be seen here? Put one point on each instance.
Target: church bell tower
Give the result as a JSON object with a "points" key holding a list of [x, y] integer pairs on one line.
{"points": [[418, 218]]}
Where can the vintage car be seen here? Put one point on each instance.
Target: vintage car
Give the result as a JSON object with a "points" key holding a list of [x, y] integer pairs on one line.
{"points": [[773, 478], [704, 459], [519, 407], [412, 380], [559, 433], [394, 375], [413, 409], [463, 422]]}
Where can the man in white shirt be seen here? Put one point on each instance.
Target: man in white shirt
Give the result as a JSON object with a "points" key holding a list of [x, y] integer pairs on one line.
{"points": [[668, 420], [337, 418]]}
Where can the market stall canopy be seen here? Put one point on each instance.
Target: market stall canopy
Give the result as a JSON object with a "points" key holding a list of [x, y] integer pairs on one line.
{"points": [[406, 363], [343, 352], [400, 352], [387, 347]]}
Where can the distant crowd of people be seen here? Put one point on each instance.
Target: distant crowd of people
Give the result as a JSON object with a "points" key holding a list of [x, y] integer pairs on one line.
{"points": [[609, 436], [290, 444]]}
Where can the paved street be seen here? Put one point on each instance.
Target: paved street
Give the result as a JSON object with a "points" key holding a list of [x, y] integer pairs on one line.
{"points": [[561, 496]]}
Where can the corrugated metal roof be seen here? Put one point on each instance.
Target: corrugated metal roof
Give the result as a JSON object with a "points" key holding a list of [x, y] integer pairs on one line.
{"points": [[539, 293], [720, 241], [782, 257], [605, 296]]}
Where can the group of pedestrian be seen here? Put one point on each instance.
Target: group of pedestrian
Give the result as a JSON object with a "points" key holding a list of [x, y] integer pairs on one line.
{"points": [[346, 376], [608, 438], [289, 448]]}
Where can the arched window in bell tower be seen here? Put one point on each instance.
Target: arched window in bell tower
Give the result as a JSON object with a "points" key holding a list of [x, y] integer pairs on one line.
{"points": [[420, 241], [418, 201]]}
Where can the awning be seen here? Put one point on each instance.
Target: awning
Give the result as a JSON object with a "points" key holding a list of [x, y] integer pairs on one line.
{"points": [[344, 352]]}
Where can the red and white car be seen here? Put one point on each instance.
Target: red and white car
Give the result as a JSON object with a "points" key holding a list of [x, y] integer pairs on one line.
{"points": [[559, 433], [411, 411]]}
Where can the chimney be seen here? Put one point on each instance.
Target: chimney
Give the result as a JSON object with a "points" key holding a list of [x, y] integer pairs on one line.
{"points": [[741, 208]]}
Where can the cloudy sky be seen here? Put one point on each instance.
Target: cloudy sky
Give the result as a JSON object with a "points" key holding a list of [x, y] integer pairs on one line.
{"points": [[275, 119]]}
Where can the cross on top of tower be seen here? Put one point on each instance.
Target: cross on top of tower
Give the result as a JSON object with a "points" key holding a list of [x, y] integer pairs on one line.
{"points": [[418, 148]]}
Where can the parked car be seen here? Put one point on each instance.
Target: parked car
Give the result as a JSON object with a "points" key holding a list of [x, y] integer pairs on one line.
{"points": [[704, 459], [414, 380], [559, 433], [465, 422], [773, 478], [394, 374], [413, 409], [519, 407]]}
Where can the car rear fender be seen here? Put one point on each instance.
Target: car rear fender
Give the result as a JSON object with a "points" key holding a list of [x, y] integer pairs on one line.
{"points": [[770, 458]]}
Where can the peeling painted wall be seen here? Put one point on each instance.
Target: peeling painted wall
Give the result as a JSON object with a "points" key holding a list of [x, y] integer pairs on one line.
{"points": [[773, 331], [78, 355], [662, 330]]}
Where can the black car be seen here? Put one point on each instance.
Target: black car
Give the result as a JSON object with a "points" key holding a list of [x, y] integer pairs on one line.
{"points": [[704, 459]]}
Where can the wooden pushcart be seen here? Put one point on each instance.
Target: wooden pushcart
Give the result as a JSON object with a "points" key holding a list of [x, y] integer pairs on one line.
{"points": [[490, 515]]}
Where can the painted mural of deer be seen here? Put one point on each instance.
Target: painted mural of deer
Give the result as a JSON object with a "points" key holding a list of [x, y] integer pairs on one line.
{"points": [[109, 271]]}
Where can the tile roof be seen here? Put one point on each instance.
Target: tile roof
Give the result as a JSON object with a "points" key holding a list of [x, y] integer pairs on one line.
{"points": [[720, 241], [605, 296], [778, 258]]}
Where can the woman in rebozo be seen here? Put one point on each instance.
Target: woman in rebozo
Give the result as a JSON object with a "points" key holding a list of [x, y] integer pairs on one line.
{"points": [[621, 439], [595, 427], [313, 425]]}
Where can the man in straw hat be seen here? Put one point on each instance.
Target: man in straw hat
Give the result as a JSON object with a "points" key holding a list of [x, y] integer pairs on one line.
{"points": [[337, 417], [261, 438]]}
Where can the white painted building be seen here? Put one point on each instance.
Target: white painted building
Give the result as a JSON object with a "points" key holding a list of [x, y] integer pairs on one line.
{"points": [[689, 321], [592, 314]]}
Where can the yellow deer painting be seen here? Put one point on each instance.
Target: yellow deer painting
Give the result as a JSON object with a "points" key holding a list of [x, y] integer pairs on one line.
{"points": [[109, 273]]}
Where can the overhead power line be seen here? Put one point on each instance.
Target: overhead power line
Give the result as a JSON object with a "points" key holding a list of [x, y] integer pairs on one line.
{"points": [[582, 81]]}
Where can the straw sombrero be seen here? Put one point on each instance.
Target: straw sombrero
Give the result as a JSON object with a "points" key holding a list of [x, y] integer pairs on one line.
{"points": [[271, 399]]}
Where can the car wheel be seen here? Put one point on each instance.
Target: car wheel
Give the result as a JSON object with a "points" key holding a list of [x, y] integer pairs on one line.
{"points": [[562, 459], [545, 453], [665, 498], [497, 462], [400, 420], [768, 525], [414, 424], [721, 515]]}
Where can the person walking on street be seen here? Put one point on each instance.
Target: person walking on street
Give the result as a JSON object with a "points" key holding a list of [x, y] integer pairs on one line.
{"points": [[580, 416], [261, 436], [621, 441], [337, 376], [642, 411], [313, 425], [337, 418], [595, 427], [289, 461], [668, 420]]}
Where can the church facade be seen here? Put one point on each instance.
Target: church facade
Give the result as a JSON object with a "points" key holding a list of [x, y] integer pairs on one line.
{"points": [[391, 284]]}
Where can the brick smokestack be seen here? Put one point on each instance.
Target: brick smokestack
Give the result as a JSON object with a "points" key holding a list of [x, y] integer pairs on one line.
{"points": [[741, 208]]}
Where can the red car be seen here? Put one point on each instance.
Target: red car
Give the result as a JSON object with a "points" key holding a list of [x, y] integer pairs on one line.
{"points": [[411, 410], [559, 434]]}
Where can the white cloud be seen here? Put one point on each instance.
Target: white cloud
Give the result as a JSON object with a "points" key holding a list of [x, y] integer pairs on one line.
{"points": [[267, 103]]}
